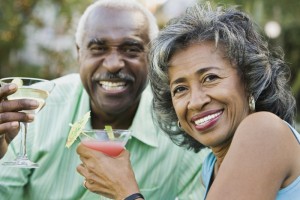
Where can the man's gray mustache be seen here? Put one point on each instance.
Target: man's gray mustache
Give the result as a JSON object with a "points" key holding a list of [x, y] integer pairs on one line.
{"points": [[108, 76]]}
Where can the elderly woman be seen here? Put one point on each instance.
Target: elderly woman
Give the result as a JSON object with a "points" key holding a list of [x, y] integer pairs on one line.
{"points": [[214, 76], [216, 84]]}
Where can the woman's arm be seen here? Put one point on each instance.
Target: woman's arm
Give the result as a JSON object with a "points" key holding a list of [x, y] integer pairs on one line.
{"points": [[259, 161]]}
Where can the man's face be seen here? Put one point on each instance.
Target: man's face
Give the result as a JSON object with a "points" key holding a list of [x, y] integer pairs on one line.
{"points": [[113, 59]]}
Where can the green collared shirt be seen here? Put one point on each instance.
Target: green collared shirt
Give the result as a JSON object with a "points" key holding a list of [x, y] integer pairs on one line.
{"points": [[163, 170]]}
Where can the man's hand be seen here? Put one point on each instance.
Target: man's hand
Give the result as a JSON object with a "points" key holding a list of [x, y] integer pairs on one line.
{"points": [[10, 115]]}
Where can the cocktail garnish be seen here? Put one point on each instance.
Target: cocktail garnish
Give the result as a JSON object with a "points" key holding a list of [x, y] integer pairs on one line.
{"points": [[18, 82], [77, 129], [110, 132]]}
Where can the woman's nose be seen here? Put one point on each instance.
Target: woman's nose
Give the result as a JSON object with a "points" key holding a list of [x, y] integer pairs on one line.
{"points": [[198, 99]]}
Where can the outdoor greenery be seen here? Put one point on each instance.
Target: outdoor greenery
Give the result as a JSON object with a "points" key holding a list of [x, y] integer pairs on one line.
{"points": [[17, 15]]}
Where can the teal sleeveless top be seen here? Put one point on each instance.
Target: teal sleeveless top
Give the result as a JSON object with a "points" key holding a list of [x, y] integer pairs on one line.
{"points": [[291, 192]]}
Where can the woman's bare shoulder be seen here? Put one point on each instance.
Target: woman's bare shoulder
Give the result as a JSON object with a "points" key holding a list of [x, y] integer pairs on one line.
{"points": [[263, 136], [262, 124], [261, 141]]}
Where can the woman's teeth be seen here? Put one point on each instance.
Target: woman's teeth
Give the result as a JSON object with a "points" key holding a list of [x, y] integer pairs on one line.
{"points": [[207, 118]]}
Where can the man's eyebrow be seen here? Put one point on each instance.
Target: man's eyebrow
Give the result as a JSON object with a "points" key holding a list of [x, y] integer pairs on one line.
{"points": [[96, 41], [131, 42], [126, 42]]}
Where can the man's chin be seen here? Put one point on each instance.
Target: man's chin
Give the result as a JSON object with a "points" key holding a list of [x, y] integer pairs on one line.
{"points": [[114, 109]]}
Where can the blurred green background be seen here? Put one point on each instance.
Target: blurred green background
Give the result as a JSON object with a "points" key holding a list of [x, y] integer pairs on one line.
{"points": [[37, 36]]}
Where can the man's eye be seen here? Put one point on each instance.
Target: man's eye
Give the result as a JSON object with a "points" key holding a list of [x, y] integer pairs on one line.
{"points": [[132, 50], [98, 49]]}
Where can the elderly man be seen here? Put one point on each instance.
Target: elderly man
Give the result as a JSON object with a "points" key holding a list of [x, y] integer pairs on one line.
{"points": [[112, 40]]}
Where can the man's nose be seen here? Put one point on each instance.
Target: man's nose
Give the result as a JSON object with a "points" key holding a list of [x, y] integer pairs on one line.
{"points": [[113, 61]]}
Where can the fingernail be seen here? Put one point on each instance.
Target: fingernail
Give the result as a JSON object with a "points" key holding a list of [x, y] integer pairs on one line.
{"points": [[34, 103], [15, 124], [12, 86], [30, 117]]}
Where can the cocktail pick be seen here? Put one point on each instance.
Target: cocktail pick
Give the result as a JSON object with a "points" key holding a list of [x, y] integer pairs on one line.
{"points": [[77, 129], [109, 132]]}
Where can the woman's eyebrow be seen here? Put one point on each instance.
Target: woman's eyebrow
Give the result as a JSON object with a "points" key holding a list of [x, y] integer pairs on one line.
{"points": [[199, 72]]}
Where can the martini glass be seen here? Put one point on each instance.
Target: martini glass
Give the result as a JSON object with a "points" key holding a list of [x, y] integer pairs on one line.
{"points": [[28, 88], [101, 140]]}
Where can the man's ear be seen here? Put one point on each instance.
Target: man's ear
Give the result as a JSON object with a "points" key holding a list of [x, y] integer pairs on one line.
{"points": [[78, 53]]}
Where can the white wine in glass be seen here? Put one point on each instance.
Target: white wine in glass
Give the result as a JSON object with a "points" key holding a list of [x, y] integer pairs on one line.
{"points": [[28, 88]]}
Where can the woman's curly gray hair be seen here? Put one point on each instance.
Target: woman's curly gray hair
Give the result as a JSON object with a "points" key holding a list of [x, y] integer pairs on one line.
{"points": [[264, 73]]}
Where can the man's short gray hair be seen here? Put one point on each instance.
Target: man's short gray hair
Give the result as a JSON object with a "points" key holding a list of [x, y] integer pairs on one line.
{"points": [[124, 4]]}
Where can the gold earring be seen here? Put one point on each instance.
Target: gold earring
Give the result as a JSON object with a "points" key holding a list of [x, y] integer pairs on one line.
{"points": [[252, 103], [179, 125]]}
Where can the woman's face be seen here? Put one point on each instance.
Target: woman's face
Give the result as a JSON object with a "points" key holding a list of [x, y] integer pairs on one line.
{"points": [[207, 93]]}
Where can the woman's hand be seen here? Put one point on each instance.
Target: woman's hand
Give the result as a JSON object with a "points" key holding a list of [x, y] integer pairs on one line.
{"points": [[111, 177], [10, 115]]}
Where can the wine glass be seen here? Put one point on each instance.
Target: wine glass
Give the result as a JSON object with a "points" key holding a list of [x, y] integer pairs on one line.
{"points": [[28, 88], [111, 144]]}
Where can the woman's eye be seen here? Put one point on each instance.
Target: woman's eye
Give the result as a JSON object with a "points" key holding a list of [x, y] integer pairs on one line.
{"points": [[178, 90], [210, 78]]}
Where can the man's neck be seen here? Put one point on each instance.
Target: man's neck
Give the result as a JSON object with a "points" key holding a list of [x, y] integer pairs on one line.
{"points": [[117, 121]]}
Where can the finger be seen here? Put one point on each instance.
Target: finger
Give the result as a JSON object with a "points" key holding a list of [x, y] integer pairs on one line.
{"points": [[89, 176], [16, 116], [18, 105], [88, 181], [11, 135], [80, 148], [84, 151], [90, 186], [7, 89], [10, 128], [125, 153], [95, 183], [81, 170]]}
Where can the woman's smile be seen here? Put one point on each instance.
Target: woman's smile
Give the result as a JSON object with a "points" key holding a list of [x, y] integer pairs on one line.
{"points": [[207, 121]]}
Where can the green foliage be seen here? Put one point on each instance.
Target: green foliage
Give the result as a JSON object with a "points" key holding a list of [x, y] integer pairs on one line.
{"points": [[17, 15]]}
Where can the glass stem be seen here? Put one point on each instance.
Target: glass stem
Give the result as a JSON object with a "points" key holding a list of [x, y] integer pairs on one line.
{"points": [[23, 140]]}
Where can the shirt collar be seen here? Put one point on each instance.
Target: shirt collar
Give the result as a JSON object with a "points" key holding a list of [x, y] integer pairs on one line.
{"points": [[143, 127]]}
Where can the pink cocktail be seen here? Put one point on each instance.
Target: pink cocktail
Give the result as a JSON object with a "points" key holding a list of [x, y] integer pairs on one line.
{"points": [[111, 143], [110, 148]]}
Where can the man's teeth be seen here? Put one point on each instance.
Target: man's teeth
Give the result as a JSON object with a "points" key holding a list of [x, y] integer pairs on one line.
{"points": [[112, 85], [207, 118]]}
